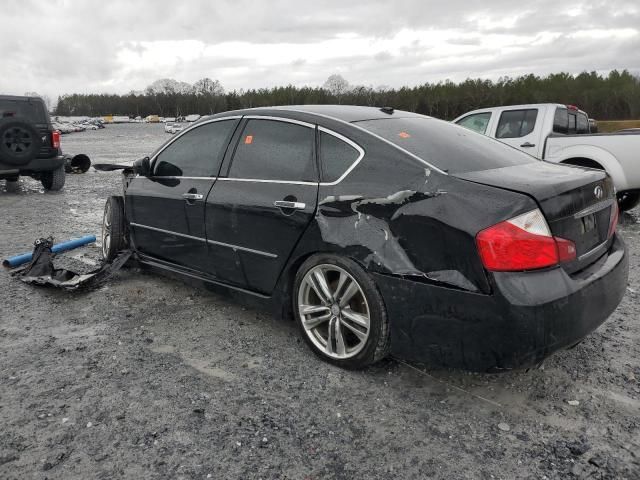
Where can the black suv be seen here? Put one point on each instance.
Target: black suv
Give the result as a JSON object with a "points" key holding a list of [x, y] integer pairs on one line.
{"points": [[28, 143]]}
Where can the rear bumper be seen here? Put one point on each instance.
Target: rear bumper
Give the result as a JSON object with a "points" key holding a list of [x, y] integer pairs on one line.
{"points": [[529, 315], [35, 165]]}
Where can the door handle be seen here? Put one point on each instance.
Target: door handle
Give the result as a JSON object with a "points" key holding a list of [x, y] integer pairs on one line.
{"points": [[192, 196], [528, 145], [290, 205]]}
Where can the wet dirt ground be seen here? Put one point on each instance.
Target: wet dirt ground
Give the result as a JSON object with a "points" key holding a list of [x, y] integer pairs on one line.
{"points": [[147, 377]]}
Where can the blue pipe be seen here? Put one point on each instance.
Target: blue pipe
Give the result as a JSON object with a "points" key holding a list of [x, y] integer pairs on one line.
{"points": [[23, 258]]}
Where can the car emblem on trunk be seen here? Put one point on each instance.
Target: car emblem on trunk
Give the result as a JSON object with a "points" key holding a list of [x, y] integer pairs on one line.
{"points": [[598, 192]]}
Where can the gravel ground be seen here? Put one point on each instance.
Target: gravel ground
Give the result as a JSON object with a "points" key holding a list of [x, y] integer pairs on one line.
{"points": [[150, 378]]}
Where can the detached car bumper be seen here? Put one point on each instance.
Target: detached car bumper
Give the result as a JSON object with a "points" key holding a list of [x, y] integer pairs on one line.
{"points": [[529, 315]]}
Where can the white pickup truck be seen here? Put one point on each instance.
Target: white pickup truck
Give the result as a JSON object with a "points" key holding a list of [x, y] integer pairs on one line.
{"points": [[561, 134]]}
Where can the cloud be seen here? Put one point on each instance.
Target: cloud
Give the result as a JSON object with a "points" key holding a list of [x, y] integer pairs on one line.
{"points": [[68, 46]]}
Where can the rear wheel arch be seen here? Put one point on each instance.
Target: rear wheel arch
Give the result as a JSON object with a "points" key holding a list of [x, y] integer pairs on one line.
{"points": [[583, 162], [596, 158]]}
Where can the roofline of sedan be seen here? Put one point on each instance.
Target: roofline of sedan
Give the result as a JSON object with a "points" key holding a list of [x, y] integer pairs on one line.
{"points": [[352, 124]]}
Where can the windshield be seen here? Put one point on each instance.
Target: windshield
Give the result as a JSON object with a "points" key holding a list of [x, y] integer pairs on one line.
{"points": [[449, 147]]}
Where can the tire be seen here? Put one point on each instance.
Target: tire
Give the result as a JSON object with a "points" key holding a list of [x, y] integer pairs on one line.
{"points": [[54, 179], [349, 326], [12, 185], [19, 142], [628, 200], [114, 234]]}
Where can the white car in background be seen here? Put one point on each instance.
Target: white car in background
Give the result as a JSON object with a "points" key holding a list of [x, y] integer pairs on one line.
{"points": [[561, 134], [174, 127]]}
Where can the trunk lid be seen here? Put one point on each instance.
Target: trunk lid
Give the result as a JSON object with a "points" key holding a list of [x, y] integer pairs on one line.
{"points": [[576, 202]]}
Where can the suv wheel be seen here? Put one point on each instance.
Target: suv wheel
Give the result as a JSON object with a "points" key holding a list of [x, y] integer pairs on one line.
{"points": [[19, 142], [114, 237], [340, 311], [53, 180]]}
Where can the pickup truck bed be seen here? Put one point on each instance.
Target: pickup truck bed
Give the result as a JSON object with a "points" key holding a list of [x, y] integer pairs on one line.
{"points": [[560, 134]]}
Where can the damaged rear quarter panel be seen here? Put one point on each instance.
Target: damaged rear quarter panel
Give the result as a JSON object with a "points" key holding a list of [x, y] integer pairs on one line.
{"points": [[396, 216]]}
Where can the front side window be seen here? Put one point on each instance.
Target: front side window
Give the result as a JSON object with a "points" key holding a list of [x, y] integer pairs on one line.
{"points": [[477, 122], [275, 150], [197, 153], [516, 123], [336, 156]]}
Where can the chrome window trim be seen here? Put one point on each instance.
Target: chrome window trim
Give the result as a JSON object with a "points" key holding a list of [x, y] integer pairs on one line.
{"points": [[183, 132], [258, 180], [200, 239], [280, 119], [415, 157], [350, 142]]}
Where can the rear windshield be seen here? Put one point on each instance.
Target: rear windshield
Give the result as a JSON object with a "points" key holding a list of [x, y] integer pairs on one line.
{"points": [[32, 111], [449, 147]]}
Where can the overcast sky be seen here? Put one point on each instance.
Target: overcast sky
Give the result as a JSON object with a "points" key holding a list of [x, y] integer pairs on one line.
{"points": [[83, 46]]}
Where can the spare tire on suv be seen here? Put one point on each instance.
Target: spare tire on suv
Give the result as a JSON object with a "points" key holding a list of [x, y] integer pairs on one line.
{"points": [[19, 142]]}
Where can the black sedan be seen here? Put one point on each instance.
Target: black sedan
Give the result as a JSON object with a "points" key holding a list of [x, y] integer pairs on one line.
{"points": [[382, 232]]}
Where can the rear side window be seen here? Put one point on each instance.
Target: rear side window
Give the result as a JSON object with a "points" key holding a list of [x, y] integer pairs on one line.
{"points": [[582, 124], [32, 111], [336, 156], [572, 123], [561, 121], [197, 153], [447, 146], [516, 123], [275, 150], [477, 122]]}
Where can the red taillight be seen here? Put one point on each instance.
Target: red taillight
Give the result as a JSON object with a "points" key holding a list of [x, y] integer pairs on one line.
{"points": [[572, 107], [55, 139], [613, 220], [522, 243]]}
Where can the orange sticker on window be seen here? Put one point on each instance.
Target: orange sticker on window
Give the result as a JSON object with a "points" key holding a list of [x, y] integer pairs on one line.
{"points": [[248, 139], [404, 135]]}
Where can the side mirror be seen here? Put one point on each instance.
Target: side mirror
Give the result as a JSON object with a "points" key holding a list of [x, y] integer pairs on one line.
{"points": [[142, 167]]}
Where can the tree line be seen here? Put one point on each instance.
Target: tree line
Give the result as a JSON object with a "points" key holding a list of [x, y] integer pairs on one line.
{"points": [[615, 96]]}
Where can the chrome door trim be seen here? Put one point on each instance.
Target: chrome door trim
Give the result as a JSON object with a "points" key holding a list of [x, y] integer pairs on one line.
{"points": [[173, 177], [257, 180], [244, 249], [200, 239], [161, 230]]}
